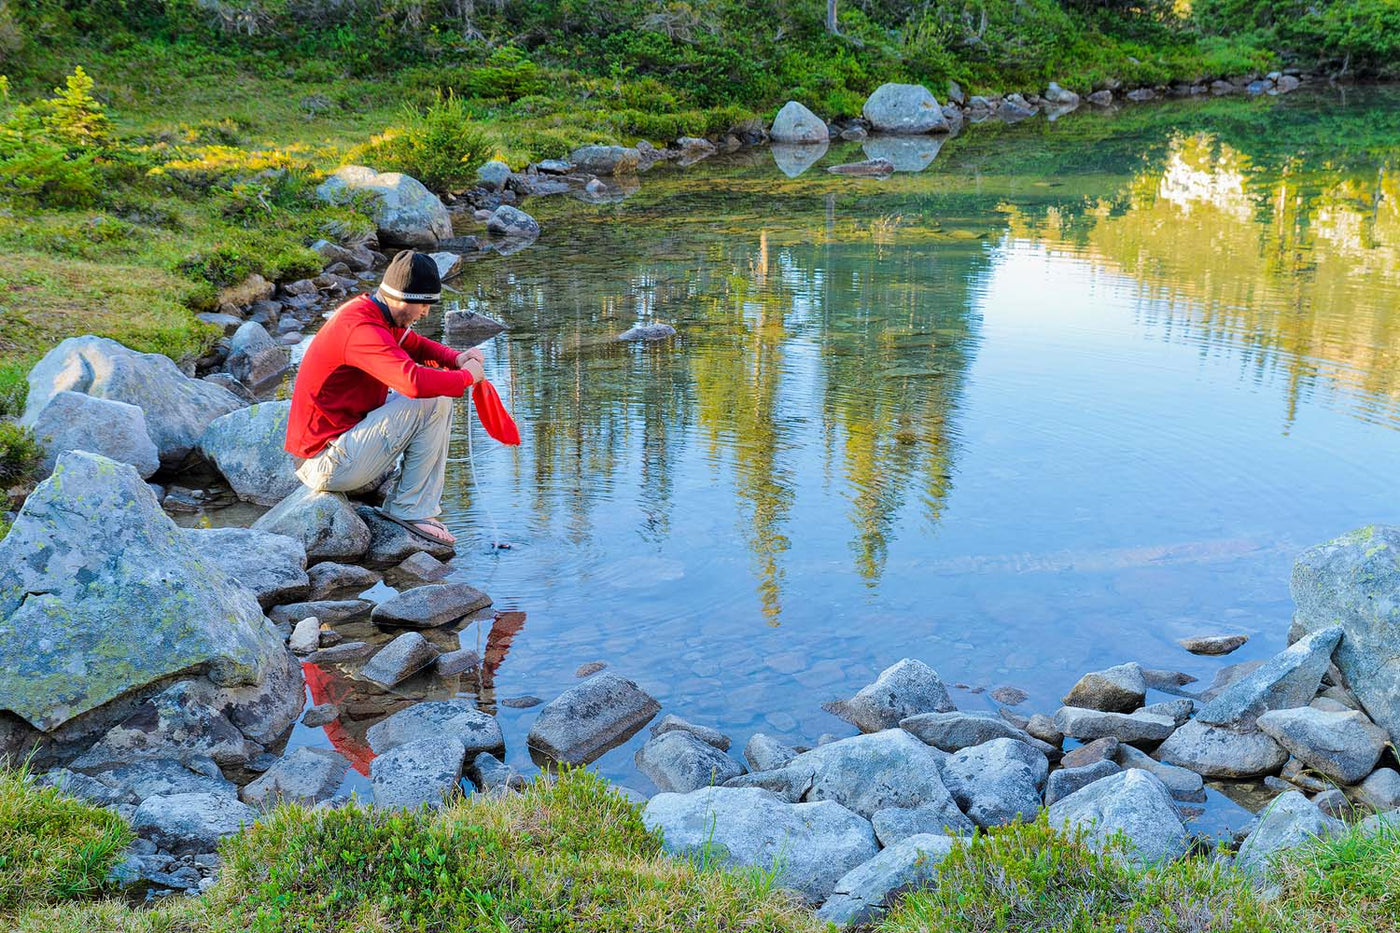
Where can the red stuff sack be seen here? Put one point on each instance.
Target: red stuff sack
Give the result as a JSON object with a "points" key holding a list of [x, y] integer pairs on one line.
{"points": [[493, 415]]}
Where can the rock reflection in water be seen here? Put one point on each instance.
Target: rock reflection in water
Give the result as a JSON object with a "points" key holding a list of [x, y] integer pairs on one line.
{"points": [[793, 159], [905, 153]]}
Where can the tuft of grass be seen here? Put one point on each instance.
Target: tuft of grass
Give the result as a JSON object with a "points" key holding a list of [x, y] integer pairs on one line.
{"points": [[1347, 884], [1029, 877], [52, 847], [20, 454]]}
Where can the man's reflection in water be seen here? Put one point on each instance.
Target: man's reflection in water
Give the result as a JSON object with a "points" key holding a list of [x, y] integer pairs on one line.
{"points": [[363, 704]]}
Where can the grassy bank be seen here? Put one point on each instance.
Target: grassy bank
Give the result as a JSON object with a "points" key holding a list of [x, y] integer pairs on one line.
{"points": [[575, 856]]}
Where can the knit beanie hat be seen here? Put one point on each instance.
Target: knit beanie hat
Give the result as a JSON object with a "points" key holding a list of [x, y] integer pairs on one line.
{"points": [[412, 277]]}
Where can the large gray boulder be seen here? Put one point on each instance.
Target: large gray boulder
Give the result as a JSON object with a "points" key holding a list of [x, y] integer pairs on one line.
{"points": [[166, 777], [796, 124], [430, 606], [406, 213], [416, 773], [1119, 689], [325, 523], [1289, 821], [907, 109], [191, 824], [248, 448], [1132, 802], [307, 775], [606, 160], [510, 221], [254, 358], [866, 773], [1343, 746], [272, 567], [74, 421], [680, 762], [1218, 752], [905, 688], [583, 722], [810, 846], [864, 892], [102, 596], [1354, 582], [997, 782], [457, 719], [1290, 679], [177, 408]]}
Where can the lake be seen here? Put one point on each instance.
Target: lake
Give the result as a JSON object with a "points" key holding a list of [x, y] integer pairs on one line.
{"points": [[1072, 391]]}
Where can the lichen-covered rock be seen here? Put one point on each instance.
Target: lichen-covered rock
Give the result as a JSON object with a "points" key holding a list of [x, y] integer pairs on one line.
{"points": [[591, 717], [181, 721], [272, 566], [74, 421], [513, 222], [324, 522], [905, 688], [997, 782], [101, 595], [247, 447], [177, 408], [606, 160], [403, 657], [810, 845], [189, 824], [796, 124], [1353, 582], [406, 213], [1134, 803], [907, 109]]}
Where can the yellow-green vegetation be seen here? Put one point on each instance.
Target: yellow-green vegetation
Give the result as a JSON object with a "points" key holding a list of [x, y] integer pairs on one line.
{"points": [[573, 855]]}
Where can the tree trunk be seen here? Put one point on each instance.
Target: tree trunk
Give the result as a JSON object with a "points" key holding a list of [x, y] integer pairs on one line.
{"points": [[831, 17]]}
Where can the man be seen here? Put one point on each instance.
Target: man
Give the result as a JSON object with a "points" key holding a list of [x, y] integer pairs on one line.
{"points": [[345, 425]]}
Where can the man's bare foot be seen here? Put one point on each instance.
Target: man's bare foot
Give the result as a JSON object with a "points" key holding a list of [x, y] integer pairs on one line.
{"points": [[435, 529]]}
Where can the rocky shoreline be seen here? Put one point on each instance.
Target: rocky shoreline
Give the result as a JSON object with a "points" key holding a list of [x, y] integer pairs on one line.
{"points": [[159, 670]]}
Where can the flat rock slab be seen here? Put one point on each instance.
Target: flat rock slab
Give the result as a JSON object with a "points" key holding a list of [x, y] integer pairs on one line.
{"points": [[957, 730], [1212, 645], [430, 606], [1290, 679], [863, 893], [811, 846], [1088, 724], [391, 543], [324, 522], [1218, 752], [1343, 746], [327, 611], [403, 657], [680, 762], [1134, 803], [457, 719], [416, 773], [272, 566], [189, 824], [307, 775], [905, 688], [586, 720]]}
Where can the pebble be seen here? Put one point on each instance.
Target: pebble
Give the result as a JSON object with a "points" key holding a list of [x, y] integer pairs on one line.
{"points": [[1212, 645], [589, 669], [521, 702], [1011, 696]]}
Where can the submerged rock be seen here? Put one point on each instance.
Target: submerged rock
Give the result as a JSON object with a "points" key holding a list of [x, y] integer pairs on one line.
{"points": [[870, 168], [591, 717], [74, 421], [101, 595], [177, 408], [905, 688], [811, 846]]}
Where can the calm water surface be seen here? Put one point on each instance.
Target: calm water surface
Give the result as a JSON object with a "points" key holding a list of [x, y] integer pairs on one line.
{"points": [[1067, 394]]}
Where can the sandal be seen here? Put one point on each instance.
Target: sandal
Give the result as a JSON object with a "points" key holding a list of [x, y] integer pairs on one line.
{"points": [[413, 528]]}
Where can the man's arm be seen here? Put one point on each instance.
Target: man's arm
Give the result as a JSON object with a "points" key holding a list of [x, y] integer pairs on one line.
{"points": [[424, 350], [373, 350]]}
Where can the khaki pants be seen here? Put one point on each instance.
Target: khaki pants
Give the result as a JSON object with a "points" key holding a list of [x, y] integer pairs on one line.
{"points": [[416, 429]]}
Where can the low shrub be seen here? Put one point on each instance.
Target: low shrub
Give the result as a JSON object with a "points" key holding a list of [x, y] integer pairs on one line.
{"points": [[19, 457], [441, 145]]}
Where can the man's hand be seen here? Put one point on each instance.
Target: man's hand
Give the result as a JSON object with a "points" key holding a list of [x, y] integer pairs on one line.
{"points": [[465, 355], [473, 366]]}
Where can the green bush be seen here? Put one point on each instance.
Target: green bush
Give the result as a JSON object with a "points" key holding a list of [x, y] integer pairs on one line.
{"points": [[50, 150], [440, 146], [52, 847], [1032, 879], [19, 457]]}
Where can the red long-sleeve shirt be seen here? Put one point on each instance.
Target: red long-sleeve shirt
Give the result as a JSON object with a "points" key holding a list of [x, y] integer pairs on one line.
{"points": [[352, 363]]}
